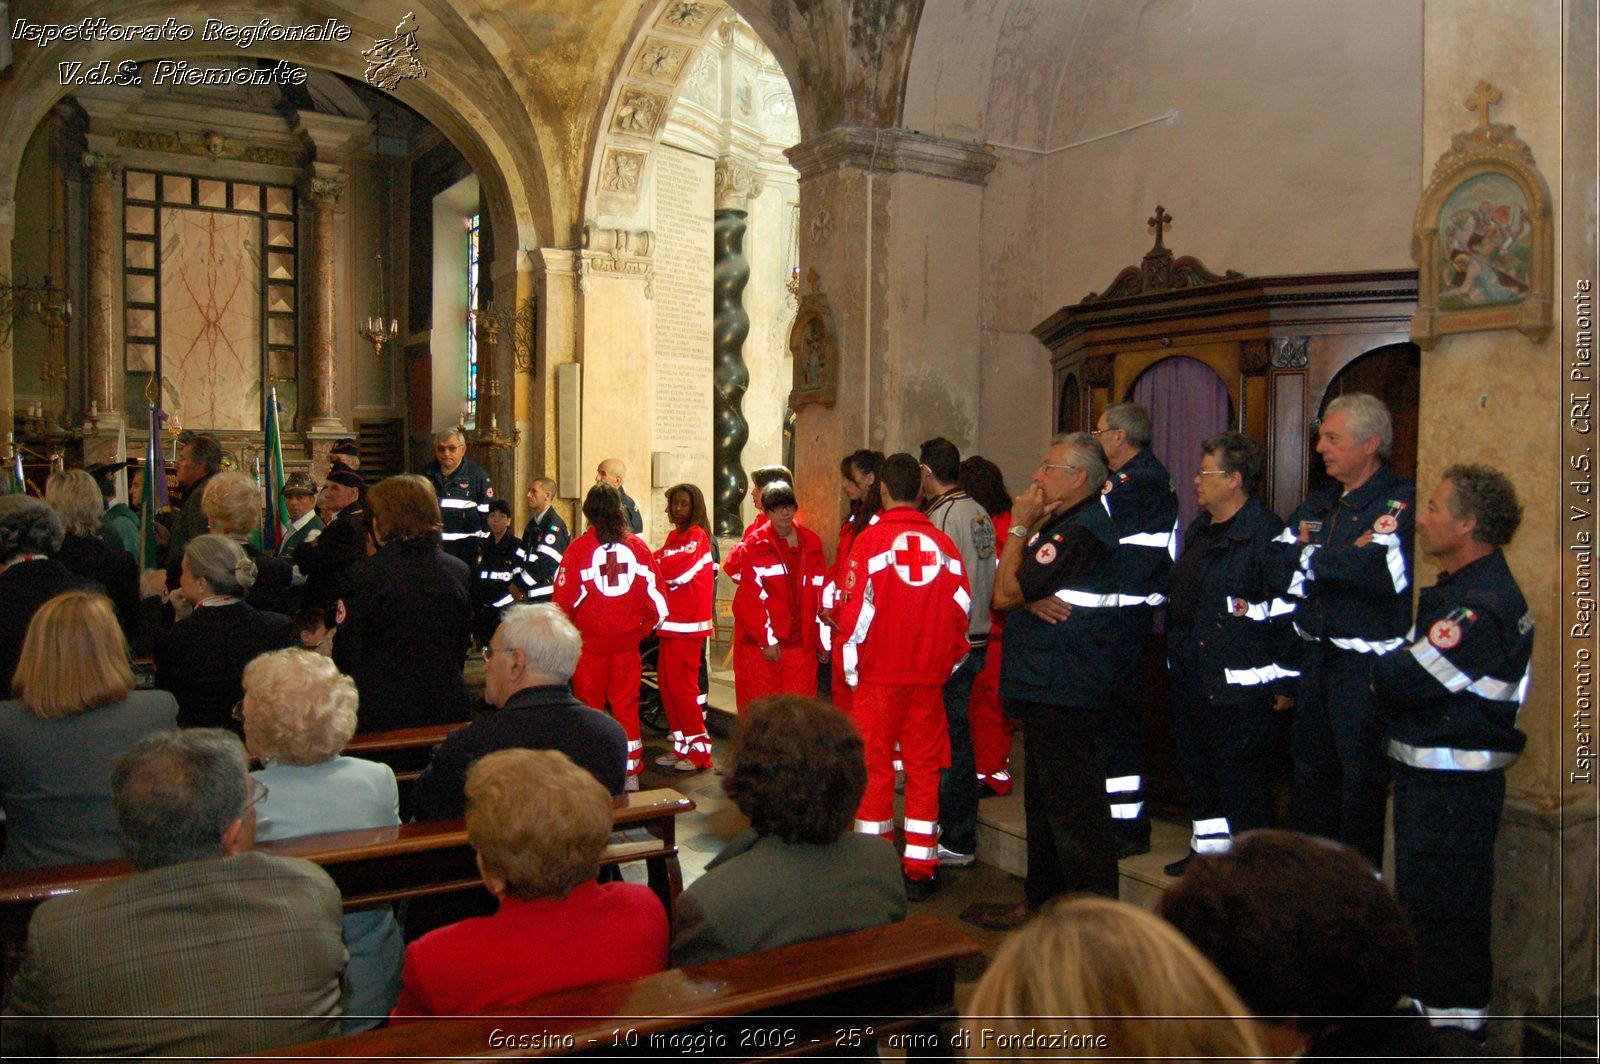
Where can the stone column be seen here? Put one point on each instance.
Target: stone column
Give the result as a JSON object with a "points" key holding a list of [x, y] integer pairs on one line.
{"points": [[735, 183], [8, 402], [100, 326], [319, 401]]}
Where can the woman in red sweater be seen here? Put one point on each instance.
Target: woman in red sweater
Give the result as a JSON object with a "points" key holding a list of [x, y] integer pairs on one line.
{"points": [[609, 585], [539, 824], [689, 581]]}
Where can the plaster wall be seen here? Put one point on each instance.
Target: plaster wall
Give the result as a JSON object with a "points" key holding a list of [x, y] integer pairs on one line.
{"points": [[614, 323], [447, 340], [1295, 149]]}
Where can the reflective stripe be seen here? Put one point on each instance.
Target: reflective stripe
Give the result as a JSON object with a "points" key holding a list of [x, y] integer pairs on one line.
{"points": [[1288, 535], [483, 508], [448, 536], [1467, 1019], [1297, 584], [458, 504], [1255, 677], [504, 600], [1439, 667], [964, 600], [1122, 784], [1219, 845], [1261, 611], [1147, 539], [769, 570], [1086, 599], [1360, 646], [922, 853], [496, 574], [635, 744], [899, 766], [551, 553], [705, 560], [875, 827], [852, 646], [1445, 759], [1141, 600], [1390, 541], [1214, 826], [686, 626], [1128, 811], [541, 592], [921, 827]]}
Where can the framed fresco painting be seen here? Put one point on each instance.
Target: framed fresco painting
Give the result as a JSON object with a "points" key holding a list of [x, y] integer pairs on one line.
{"points": [[814, 343], [1481, 238]]}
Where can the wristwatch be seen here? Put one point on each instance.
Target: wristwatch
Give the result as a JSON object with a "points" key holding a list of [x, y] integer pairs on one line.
{"points": [[1020, 531]]}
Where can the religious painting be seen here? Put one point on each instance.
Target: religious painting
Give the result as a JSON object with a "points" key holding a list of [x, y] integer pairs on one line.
{"points": [[211, 317], [814, 343], [1482, 236], [1486, 244]]}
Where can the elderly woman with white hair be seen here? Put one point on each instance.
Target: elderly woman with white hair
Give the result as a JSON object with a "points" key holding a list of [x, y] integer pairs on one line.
{"points": [[233, 504], [30, 535], [299, 711], [201, 659], [77, 498]]}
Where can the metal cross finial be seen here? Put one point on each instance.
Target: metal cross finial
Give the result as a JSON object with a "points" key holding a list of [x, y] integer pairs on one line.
{"points": [[1160, 220], [1482, 96]]}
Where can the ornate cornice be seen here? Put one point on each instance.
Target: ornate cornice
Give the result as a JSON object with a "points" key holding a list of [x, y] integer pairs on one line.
{"points": [[209, 145], [892, 151], [620, 252]]}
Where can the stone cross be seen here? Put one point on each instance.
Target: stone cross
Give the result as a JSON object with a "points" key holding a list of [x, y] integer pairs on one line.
{"points": [[1161, 220], [1482, 96]]}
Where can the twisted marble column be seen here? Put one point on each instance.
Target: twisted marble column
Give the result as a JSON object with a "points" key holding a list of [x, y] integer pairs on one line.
{"points": [[735, 182]]}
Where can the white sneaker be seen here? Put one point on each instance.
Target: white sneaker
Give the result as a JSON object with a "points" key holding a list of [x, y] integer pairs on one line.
{"points": [[685, 765], [667, 760], [952, 859]]}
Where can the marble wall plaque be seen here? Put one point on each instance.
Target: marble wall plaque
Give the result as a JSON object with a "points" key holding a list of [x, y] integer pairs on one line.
{"points": [[211, 317], [683, 269]]}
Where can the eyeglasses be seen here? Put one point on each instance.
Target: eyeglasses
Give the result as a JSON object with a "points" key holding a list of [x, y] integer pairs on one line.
{"points": [[1097, 433], [258, 793], [489, 651], [1053, 465], [1201, 474]]}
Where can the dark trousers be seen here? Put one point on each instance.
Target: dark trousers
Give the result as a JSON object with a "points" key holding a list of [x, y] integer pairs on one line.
{"points": [[1124, 755], [1341, 776], [958, 784], [1070, 845], [1224, 751], [1444, 829]]}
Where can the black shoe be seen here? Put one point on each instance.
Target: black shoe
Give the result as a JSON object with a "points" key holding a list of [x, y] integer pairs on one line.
{"points": [[921, 889], [1127, 848], [1180, 866], [1000, 917]]}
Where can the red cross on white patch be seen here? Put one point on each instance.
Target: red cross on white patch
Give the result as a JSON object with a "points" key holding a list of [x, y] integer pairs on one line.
{"points": [[916, 559], [613, 575], [1444, 634], [1385, 524]]}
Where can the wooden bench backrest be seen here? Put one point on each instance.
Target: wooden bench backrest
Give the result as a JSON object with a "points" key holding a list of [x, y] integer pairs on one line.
{"points": [[897, 977]]}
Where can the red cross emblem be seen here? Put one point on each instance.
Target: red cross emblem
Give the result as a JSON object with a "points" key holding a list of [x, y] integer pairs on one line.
{"points": [[1385, 524], [1239, 607], [915, 559], [613, 576], [1445, 634]]}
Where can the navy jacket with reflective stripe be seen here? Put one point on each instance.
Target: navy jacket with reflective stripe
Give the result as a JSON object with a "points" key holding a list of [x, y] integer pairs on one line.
{"points": [[1143, 503]]}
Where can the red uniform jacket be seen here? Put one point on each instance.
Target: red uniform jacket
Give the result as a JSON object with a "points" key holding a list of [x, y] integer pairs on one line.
{"points": [[689, 579], [903, 602], [841, 559], [612, 592], [779, 590]]}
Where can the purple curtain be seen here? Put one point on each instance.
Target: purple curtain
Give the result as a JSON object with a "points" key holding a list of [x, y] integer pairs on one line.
{"points": [[1188, 404]]}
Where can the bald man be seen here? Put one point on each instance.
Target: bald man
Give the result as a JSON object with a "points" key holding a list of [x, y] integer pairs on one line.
{"points": [[611, 471]]}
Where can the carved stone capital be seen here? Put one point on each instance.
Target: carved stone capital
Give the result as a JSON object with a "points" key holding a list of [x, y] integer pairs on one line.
{"points": [[98, 166], [735, 182], [327, 189], [621, 252], [892, 150]]}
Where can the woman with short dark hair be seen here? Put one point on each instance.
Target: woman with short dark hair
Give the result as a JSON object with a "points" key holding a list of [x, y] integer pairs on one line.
{"points": [[31, 533], [991, 728], [1228, 647], [689, 584], [798, 872], [858, 480], [406, 621]]}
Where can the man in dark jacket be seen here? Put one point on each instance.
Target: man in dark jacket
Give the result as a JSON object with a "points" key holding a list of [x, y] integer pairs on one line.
{"points": [[544, 541], [527, 675], [1346, 558], [612, 471], [1452, 698], [198, 461], [464, 492], [342, 543], [1058, 577]]}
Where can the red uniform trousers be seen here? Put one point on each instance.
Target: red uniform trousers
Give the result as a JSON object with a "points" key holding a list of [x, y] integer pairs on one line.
{"points": [[913, 716], [614, 678], [678, 674], [991, 728], [795, 673], [843, 694]]}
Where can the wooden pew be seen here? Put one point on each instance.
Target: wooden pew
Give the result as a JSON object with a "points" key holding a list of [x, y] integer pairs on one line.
{"points": [[831, 994], [377, 866], [405, 750]]}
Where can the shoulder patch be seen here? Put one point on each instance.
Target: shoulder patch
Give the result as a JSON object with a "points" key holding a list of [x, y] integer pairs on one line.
{"points": [[983, 536], [488, 492], [1385, 524], [1445, 634], [1045, 554], [1238, 607]]}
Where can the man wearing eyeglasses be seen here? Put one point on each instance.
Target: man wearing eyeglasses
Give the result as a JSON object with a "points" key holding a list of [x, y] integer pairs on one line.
{"points": [[129, 967], [1058, 578], [1144, 507]]}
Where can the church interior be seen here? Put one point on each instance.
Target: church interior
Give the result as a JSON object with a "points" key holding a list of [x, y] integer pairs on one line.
{"points": [[704, 236]]}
